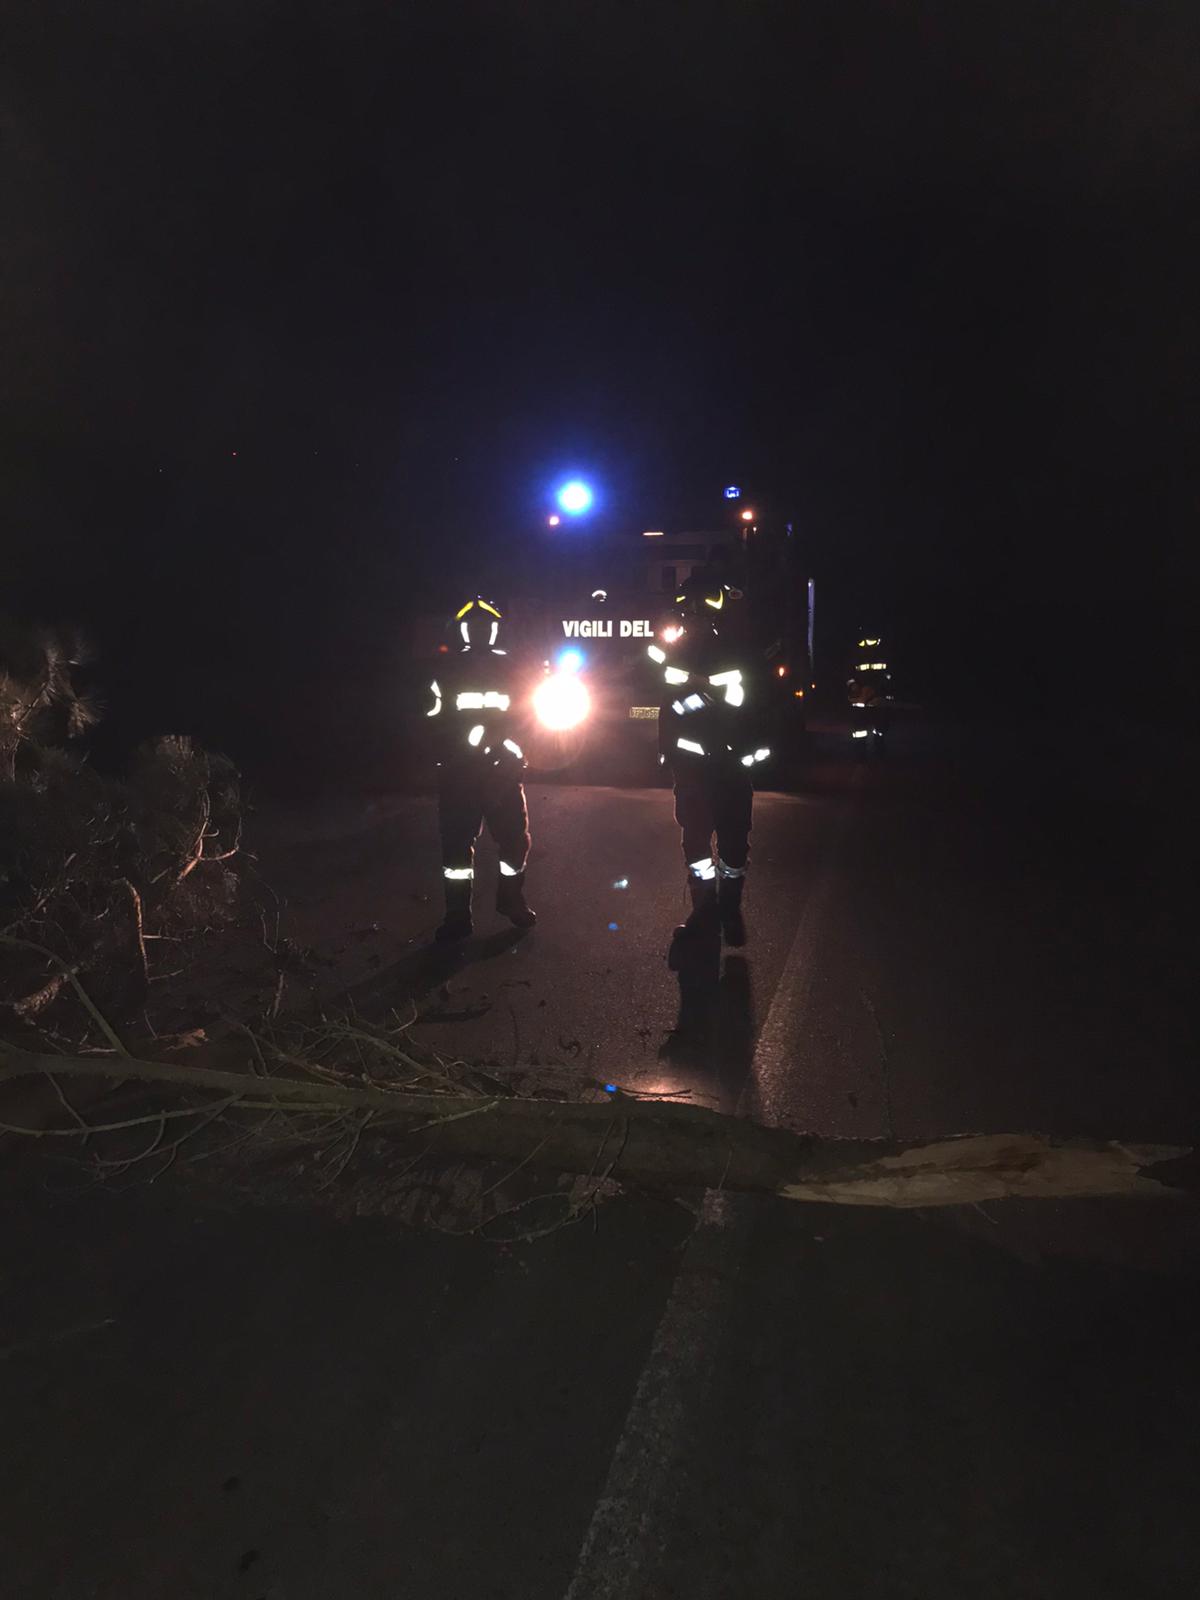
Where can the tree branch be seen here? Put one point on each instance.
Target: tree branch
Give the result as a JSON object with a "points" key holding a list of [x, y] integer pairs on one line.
{"points": [[72, 978]]}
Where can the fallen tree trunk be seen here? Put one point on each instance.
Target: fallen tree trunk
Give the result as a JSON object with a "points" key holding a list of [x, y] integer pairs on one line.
{"points": [[662, 1144]]}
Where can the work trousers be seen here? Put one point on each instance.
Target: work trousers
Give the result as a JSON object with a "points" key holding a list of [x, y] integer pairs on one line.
{"points": [[715, 801], [468, 797]]}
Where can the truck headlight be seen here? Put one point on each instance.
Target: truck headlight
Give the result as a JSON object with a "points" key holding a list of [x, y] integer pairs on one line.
{"points": [[561, 701]]}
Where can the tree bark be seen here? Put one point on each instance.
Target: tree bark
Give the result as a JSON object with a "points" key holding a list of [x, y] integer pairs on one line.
{"points": [[664, 1145]]}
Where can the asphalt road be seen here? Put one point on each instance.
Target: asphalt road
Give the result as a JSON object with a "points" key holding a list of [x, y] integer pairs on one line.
{"points": [[974, 933], [209, 1397]]}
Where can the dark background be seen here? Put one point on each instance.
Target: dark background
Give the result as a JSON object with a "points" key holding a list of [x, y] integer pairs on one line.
{"points": [[923, 272]]}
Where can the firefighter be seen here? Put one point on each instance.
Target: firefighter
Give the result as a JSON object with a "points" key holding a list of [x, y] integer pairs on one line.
{"points": [[480, 764], [709, 736], [869, 690]]}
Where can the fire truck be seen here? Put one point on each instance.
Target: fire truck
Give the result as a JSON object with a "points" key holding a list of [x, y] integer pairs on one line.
{"points": [[581, 624], [584, 605]]}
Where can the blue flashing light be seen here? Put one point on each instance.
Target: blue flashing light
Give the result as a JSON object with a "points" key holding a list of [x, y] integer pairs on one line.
{"points": [[610, 1088], [733, 492], [575, 497], [570, 660], [612, 927]]}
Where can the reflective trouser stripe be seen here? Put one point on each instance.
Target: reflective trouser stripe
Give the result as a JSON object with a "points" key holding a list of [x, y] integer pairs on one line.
{"points": [[454, 874], [509, 872], [727, 871], [705, 870]]}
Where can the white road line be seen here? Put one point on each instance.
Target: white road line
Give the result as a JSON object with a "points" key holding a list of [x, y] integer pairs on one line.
{"points": [[631, 1522], [793, 992]]}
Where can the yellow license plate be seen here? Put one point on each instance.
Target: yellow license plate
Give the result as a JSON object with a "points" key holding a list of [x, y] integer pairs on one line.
{"points": [[643, 713]]}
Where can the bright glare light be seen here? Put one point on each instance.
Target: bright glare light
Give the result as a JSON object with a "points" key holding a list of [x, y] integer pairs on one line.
{"points": [[561, 702], [621, 883], [575, 497], [554, 521], [747, 516], [671, 633], [570, 660], [732, 492], [781, 672], [653, 533]]}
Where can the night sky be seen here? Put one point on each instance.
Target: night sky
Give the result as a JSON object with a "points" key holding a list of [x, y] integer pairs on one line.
{"points": [[305, 304]]}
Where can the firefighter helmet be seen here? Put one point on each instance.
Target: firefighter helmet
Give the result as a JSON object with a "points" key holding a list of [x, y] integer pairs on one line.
{"points": [[477, 622], [702, 595]]}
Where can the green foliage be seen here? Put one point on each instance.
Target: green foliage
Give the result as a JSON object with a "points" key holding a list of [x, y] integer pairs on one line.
{"points": [[39, 702], [91, 865]]}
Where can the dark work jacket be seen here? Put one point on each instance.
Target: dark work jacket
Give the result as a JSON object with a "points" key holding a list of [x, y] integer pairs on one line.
{"points": [[473, 712], [723, 718]]}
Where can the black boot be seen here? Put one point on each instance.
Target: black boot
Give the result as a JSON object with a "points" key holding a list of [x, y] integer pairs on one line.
{"points": [[457, 924], [510, 902], [703, 892], [702, 924], [729, 902]]}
